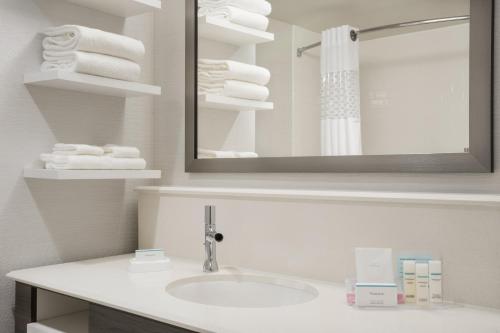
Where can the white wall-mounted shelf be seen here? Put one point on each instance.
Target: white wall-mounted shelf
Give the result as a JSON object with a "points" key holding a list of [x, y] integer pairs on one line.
{"points": [[90, 174], [224, 31], [90, 84], [218, 102], [123, 8], [474, 199]]}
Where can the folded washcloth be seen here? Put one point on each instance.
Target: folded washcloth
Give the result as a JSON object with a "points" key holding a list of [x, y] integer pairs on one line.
{"points": [[91, 63], [247, 155], [261, 7], [86, 162], [207, 153], [220, 70], [238, 16], [77, 38], [237, 89], [121, 151], [77, 149]]}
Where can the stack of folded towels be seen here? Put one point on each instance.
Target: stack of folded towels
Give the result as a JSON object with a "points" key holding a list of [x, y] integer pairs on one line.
{"points": [[85, 157], [233, 79], [207, 153], [250, 13], [91, 51]]}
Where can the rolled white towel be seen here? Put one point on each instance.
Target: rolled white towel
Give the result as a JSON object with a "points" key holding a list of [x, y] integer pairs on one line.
{"points": [[261, 7], [121, 151], [77, 149], [78, 38], [238, 16], [86, 162], [237, 89], [92, 64], [220, 70]]}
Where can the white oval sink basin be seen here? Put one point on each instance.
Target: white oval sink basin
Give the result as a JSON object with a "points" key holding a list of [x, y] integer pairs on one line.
{"points": [[241, 291]]}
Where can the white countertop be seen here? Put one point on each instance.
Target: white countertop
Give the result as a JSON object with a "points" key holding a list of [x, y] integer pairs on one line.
{"points": [[107, 282]]}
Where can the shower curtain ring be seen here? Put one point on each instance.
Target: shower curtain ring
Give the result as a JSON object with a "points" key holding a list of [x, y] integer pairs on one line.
{"points": [[354, 35]]}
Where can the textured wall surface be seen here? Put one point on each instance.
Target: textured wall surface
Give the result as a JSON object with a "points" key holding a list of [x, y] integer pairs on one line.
{"points": [[45, 222]]}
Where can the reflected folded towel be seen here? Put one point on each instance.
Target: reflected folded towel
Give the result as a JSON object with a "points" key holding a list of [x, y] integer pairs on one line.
{"points": [[261, 7], [86, 162], [92, 64], [220, 70], [247, 155], [237, 89], [121, 151], [237, 16], [77, 149], [207, 153], [78, 38]]}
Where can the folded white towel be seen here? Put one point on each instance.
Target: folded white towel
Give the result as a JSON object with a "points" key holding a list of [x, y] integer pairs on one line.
{"points": [[247, 155], [92, 64], [77, 149], [261, 7], [86, 162], [237, 89], [207, 153], [77, 38], [238, 16], [220, 70], [121, 151]]}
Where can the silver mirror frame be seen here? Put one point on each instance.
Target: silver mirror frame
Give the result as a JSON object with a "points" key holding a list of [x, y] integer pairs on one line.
{"points": [[479, 159]]}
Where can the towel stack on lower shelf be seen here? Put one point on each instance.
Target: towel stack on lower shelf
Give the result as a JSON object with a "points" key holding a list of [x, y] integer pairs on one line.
{"points": [[90, 51], [233, 79], [249, 13], [207, 153], [85, 157]]}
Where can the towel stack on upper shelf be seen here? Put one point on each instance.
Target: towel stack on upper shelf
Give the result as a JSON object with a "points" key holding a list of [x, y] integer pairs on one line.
{"points": [[91, 51], [86, 157], [249, 13], [207, 153], [233, 79]]}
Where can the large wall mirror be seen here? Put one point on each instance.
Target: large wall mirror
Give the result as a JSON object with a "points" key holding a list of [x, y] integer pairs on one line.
{"points": [[339, 86]]}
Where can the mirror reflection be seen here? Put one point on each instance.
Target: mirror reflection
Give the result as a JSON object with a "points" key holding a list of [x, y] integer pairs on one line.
{"points": [[283, 78]]}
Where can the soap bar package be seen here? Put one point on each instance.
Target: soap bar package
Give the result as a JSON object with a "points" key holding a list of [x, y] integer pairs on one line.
{"points": [[374, 266], [376, 295]]}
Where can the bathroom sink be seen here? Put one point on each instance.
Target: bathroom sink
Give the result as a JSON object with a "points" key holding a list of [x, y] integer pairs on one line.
{"points": [[242, 291]]}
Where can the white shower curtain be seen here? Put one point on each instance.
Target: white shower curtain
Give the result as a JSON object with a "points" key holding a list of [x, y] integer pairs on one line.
{"points": [[340, 93]]}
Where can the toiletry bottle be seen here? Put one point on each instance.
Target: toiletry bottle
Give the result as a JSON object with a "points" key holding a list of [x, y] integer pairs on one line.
{"points": [[435, 281], [409, 279], [422, 283]]}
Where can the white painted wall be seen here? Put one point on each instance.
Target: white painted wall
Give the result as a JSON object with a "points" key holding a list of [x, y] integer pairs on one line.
{"points": [[45, 222], [415, 92]]}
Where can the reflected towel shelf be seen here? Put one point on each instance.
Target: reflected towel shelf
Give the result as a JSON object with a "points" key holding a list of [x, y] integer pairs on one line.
{"points": [[222, 30], [123, 8], [218, 102], [90, 174], [90, 84]]}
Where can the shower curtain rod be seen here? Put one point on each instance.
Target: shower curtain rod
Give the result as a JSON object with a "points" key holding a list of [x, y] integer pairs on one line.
{"points": [[354, 34]]}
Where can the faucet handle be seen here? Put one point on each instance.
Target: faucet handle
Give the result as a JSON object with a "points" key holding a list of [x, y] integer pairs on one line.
{"points": [[218, 237]]}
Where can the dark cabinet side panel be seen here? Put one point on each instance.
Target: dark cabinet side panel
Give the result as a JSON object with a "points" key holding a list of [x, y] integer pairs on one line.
{"points": [[107, 320]]}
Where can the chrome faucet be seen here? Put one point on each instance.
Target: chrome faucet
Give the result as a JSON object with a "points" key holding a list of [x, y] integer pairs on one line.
{"points": [[212, 237]]}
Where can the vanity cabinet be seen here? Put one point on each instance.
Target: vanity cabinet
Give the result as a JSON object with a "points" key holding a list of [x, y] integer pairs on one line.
{"points": [[101, 319]]}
